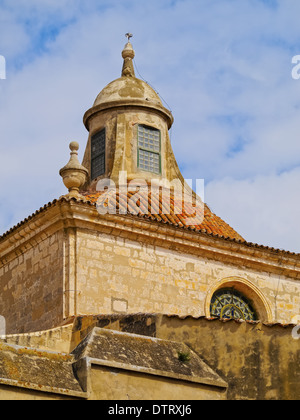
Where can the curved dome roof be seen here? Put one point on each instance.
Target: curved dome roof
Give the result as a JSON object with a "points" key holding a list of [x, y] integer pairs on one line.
{"points": [[128, 91], [127, 88]]}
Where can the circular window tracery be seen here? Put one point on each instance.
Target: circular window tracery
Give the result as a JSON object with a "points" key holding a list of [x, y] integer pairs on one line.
{"points": [[231, 304]]}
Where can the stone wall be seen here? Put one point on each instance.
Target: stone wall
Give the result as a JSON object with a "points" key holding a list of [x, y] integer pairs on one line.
{"points": [[32, 293], [117, 384], [58, 339], [118, 275], [73, 262], [257, 361]]}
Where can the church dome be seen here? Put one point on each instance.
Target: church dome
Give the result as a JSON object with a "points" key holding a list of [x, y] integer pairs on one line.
{"points": [[128, 91], [127, 88]]}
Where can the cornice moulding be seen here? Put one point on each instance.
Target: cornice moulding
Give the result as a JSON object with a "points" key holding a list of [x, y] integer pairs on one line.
{"points": [[66, 213]]}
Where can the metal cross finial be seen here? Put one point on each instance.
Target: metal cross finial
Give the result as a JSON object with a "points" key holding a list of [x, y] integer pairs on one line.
{"points": [[129, 35]]}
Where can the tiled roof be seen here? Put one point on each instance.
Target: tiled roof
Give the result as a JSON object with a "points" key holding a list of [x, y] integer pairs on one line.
{"points": [[91, 199], [211, 223]]}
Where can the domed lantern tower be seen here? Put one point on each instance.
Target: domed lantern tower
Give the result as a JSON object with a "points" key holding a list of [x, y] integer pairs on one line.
{"points": [[129, 148], [128, 131]]}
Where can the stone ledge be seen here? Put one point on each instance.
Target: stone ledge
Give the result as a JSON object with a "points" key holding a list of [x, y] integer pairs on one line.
{"points": [[149, 355], [69, 375], [29, 368]]}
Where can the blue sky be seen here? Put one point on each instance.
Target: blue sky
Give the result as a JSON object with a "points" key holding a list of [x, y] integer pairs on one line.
{"points": [[223, 66]]}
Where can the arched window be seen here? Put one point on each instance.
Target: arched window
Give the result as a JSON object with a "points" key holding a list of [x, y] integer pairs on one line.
{"points": [[229, 303]]}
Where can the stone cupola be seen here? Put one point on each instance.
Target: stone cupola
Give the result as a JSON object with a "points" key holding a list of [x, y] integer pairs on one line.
{"points": [[129, 131]]}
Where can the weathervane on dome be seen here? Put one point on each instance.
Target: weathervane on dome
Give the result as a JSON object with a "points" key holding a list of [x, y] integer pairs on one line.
{"points": [[128, 55], [128, 35]]}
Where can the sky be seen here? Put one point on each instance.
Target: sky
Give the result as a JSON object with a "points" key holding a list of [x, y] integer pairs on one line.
{"points": [[223, 67]]}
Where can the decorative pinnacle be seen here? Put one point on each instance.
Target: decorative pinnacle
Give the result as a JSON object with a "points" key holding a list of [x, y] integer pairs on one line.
{"points": [[128, 55], [74, 174]]}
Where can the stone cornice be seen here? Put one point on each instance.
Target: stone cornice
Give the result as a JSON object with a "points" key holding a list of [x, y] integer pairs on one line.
{"points": [[72, 213], [30, 232], [125, 103]]}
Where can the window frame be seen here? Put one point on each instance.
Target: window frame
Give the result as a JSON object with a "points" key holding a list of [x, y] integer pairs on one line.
{"points": [[145, 149], [94, 157], [237, 295]]}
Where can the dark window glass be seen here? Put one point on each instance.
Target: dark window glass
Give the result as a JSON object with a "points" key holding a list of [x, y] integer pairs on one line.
{"points": [[98, 154]]}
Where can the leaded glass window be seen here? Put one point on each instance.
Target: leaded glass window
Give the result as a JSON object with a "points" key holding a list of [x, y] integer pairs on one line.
{"points": [[231, 304], [149, 149], [98, 154]]}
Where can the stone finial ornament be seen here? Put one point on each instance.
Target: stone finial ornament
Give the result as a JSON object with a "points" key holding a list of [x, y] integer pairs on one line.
{"points": [[128, 55], [74, 174]]}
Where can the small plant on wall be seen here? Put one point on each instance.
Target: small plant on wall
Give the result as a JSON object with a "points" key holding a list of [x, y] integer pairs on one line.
{"points": [[184, 357]]}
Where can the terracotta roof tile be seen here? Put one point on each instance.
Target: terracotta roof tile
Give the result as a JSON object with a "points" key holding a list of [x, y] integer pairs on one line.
{"points": [[90, 199], [211, 223]]}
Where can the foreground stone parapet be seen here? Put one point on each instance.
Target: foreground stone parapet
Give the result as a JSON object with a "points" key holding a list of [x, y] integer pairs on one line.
{"points": [[109, 364], [37, 370], [147, 355]]}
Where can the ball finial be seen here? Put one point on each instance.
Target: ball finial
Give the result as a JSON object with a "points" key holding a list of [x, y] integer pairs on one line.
{"points": [[74, 146]]}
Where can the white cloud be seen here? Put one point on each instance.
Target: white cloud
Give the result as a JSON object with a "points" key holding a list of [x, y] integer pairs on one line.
{"points": [[264, 207]]}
